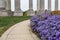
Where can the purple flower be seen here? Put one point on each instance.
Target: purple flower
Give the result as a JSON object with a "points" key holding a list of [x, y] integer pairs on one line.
{"points": [[47, 26]]}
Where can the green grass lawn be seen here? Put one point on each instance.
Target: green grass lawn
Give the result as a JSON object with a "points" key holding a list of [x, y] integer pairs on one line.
{"points": [[7, 22]]}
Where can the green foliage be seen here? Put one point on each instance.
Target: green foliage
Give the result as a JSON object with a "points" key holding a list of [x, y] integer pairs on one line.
{"points": [[25, 13]]}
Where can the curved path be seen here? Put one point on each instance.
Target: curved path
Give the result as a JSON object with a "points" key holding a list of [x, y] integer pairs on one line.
{"points": [[20, 31]]}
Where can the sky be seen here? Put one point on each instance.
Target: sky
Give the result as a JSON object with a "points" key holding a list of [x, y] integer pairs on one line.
{"points": [[25, 5]]}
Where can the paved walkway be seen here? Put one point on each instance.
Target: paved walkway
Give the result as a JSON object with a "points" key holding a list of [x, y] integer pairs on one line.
{"points": [[20, 31]]}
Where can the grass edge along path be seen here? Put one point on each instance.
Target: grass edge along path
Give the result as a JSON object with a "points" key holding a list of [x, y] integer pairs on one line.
{"points": [[8, 21]]}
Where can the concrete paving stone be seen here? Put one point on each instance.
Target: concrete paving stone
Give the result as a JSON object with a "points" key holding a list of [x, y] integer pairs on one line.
{"points": [[20, 31]]}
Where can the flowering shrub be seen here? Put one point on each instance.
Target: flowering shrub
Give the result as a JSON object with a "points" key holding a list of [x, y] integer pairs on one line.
{"points": [[47, 26]]}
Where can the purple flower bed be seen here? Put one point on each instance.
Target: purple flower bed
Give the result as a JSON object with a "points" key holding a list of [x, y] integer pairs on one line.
{"points": [[46, 25]]}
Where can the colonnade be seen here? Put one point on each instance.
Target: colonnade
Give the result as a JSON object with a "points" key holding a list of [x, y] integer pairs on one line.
{"points": [[40, 7]]}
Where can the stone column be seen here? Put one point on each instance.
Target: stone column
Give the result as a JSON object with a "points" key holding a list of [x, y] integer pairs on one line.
{"points": [[30, 11], [2, 8], [2, 4], [41, 6], [8, 7], [18, 11], [38, 6], [49, 5], [56, 4]]}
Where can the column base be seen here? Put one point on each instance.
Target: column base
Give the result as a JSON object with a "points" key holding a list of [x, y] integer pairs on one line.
{"points": [[10, 13], [40, 11], [30, 12], [3, 13], [18, 13]]}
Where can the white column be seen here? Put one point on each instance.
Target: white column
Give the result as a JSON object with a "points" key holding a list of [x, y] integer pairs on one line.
{"points": [[56, 4], [2, 4], [8, 4], [3, 9], [30, 11], [8, 7], [41, 6], [18, 11], [49, 5], [38, 6], [31, 4]]}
